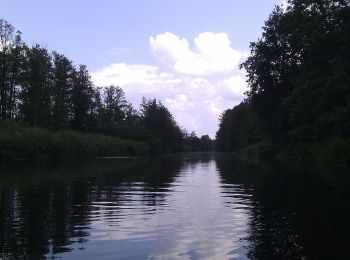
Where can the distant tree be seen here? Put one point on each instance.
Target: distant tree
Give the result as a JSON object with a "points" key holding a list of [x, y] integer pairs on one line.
{"points": [[11, 67], [157, 119], [115, 108], [6, 37], [95, 117], [47, 90], [131, 127], [62, 86], [206, 144], [36, 94], [194, 141], [239, 127], [82, 95]]}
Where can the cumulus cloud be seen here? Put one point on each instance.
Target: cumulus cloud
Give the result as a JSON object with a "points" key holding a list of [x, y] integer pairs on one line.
{"points": [[186, 84], [234, 86], [199, 103], [211, 54], [123, 74]]}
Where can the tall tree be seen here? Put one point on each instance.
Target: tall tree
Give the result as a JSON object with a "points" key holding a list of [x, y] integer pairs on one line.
{"points": [[115, 108], [297, 71], [82, 94], [95, 121], [6, 37], [63, 80], [161, 124], [36, 96], [11, 59]]}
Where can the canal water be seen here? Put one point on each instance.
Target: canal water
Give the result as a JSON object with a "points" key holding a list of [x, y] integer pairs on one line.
{"points": [[186, 206]]}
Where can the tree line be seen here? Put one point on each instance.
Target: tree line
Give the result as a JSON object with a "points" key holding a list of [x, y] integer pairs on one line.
{"points": [[46, 89], [299, 81]]}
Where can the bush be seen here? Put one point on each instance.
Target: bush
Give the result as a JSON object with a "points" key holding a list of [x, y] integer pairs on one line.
{"points": [[335, 151], [18, 140]]}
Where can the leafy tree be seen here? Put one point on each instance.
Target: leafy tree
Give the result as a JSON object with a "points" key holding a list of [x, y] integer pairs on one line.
{"points": [[63, 73], [82, 94], [298, 72], [6, 36], [239, 127], [36, 99], [11, 63], [161, 125], [47, 90], [319, 103], [206, 144], [95, 121], [270, 68], [115, 106]]}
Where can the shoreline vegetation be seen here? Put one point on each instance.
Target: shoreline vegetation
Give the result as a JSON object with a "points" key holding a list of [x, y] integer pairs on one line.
{"points": [[21, 141], [297, 105], [298, 101], [49, 107]]}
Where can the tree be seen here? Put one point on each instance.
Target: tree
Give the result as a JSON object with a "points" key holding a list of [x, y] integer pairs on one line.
{"points": [[63, 80], [206, 144], [297, 72], [319, 103], [47, 90], [6, 37], [157, 119], [238, 128], [82, 94], [115, 106], [11, 63], [36, 98]]}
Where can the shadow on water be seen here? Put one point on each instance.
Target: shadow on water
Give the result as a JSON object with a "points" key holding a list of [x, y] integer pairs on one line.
{"points": [[46, 207], [276, 211], [295, 214]]}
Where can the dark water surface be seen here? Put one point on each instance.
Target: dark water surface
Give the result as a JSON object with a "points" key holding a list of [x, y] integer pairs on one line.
{"points": [[192, 206]]}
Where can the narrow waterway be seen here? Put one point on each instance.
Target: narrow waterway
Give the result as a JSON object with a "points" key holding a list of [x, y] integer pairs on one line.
{"points": [[191, 206]]}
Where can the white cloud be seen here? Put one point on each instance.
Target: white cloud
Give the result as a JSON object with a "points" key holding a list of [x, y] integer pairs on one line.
{"points": [[212, 53], [199, 104], [234, 86], [192, 96], [123, 74]]}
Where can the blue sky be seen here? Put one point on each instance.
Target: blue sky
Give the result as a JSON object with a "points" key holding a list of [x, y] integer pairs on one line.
{"points": [[184, 52]]}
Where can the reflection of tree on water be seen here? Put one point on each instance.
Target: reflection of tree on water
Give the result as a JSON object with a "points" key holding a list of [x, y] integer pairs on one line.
{"points": [[293, 215], [52, 208], [44, 209]]}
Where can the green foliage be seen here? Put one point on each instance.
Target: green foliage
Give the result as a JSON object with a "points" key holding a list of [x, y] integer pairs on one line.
{"points": [[238, 128], [161, 126], [335, 151], [11, 64], [62, 86], [205, 143], [46, 90], [192, 143], [299, 95], [35, 95], [19, 140]]}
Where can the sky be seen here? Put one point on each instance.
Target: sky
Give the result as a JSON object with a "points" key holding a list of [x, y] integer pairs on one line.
{"points": [[186, 53]]}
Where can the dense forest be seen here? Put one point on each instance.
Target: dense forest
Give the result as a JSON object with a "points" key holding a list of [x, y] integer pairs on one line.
{"points": [[43, 93], [298, 100]]}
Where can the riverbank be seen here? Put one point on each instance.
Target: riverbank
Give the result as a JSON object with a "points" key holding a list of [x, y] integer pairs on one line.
{"points": [[330, 160], [21, 141]]}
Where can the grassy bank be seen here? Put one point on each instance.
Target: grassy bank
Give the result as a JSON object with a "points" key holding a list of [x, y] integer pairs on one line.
{"points": [[331, 155], [19, 141]]}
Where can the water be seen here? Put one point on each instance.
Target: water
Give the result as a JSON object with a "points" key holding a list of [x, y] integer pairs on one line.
{"points": [[192, 206]]}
